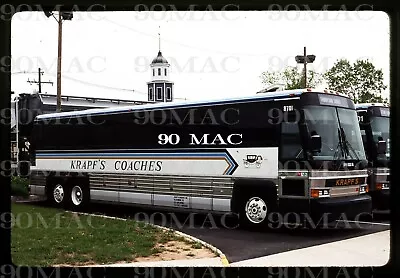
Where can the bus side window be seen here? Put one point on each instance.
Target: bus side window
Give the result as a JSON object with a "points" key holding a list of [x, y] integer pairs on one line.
{"points": [[290, 147]]}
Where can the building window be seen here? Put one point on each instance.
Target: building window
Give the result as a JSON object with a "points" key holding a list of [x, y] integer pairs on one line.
{"points": [[159, 94], [151, 95], [154, 72], [169, 95], [159, 72], [165, 72]]}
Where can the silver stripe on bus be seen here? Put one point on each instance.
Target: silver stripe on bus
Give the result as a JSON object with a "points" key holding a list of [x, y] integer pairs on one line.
{"points": [[201, 203], [135, 198], [222, 204], [37, 189], [104, 195]]}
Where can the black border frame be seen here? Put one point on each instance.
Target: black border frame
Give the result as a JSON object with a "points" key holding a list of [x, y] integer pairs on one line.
{"points": [[6, 268]]}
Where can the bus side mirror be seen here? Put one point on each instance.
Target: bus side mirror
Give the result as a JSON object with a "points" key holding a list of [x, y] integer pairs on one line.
{"points": [[381, 148], [316, 143]]}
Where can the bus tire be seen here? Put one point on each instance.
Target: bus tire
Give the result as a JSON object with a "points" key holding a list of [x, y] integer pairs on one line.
{"points": [[254, 210], [56, 193], [77, 195]]}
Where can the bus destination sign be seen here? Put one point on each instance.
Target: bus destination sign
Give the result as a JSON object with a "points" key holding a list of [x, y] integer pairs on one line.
{"points": [[325, 99]]}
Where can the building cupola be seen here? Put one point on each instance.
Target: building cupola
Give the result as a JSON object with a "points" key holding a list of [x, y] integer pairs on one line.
{"points": [[160, 88]]}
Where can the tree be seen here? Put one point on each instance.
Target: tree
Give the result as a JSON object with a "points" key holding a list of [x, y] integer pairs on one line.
{"points": [[291, 77], [361, 81]]}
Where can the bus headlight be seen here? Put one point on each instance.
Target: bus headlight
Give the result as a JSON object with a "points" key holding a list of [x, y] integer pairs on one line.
{"points": [[380, 186], [318, 193]]}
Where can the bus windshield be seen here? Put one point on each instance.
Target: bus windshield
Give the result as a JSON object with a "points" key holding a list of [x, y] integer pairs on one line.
{"points": [[380, 127], [339, 131]]}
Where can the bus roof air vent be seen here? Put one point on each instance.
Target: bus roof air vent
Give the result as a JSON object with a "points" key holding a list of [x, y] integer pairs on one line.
{"points": [[272, 88]]}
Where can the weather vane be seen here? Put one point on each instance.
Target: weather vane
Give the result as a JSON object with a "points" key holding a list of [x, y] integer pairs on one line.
{"points": [[159, 38]]}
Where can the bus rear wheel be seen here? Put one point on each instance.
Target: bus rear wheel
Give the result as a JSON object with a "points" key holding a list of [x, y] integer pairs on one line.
{"points": [[58, 194], [78, 196]]}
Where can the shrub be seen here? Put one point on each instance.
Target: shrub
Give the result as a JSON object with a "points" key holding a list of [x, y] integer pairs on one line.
{"points": [[19, 186]]}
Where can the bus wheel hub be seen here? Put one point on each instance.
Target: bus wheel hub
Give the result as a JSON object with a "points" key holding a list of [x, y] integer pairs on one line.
{"points": [[76, 195], [58, 193], [256, 210]]}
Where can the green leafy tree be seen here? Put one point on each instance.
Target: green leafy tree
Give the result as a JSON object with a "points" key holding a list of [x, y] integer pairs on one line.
{"points": [[361, 81], [291, 77]]}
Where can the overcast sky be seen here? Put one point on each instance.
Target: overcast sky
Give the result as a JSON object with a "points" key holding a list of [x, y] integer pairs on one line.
{"points": [[212, 54]]}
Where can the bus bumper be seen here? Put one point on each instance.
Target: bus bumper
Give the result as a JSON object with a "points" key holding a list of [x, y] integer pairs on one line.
{"points": [[341, 208], [326, 210]]}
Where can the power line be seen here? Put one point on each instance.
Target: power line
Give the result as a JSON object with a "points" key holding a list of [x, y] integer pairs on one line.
{"points": [[109, 87], [97, 85], [187, 45], [19, 72]]}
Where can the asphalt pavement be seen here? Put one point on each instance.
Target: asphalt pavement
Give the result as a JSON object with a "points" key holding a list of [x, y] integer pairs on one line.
{"points": [[240, 244]]}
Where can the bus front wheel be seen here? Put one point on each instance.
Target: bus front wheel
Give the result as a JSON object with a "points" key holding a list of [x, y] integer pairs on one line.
{"points": [[254, 211]]}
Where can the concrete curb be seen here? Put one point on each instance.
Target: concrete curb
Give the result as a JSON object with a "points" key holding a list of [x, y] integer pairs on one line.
{"points": [[221, 255], [28, 199]]}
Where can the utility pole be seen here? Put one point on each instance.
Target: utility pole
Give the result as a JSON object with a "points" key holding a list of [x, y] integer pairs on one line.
{"points": [[61, 16], [305, 67], [59, 62], [304, 59], [40, 82]]}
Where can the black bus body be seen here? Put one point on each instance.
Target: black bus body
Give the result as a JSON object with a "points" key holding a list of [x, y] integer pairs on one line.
{"points": [[374, 119], [295, 152]]}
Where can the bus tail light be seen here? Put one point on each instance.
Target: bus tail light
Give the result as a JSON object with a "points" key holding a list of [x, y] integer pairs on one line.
{"points": [[314, 193], [363, 189]]}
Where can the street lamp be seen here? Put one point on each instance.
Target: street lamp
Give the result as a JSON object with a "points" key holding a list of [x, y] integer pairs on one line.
{"points": [[304, 59], [61, 16]]}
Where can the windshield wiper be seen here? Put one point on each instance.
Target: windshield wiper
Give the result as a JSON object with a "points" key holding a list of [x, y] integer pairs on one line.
{"points": [[336, 157], [347, 144]]}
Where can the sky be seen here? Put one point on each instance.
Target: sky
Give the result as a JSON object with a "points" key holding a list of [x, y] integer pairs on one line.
{"points": [[212, 54]]}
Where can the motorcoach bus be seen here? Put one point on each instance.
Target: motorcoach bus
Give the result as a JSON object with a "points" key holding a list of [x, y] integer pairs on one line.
{"points": [[374, 119], [292, 152]]}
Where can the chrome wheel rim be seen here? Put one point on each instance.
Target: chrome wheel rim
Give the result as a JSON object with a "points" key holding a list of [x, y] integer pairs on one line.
{"points": [[76, 195], [58, 193], [256, 210]]}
